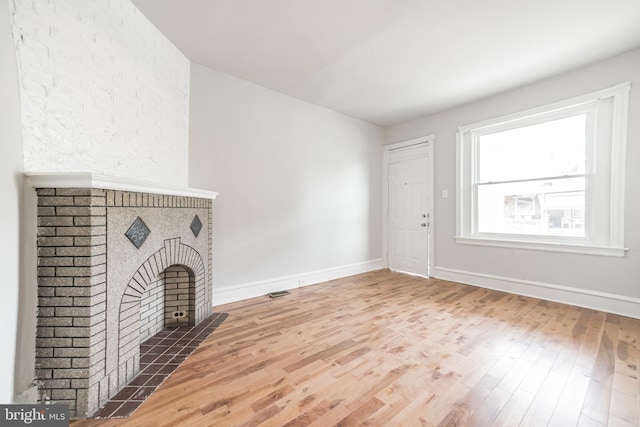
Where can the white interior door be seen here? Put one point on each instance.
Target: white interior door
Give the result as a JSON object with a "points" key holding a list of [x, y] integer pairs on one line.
{"points": [[408, 212]]}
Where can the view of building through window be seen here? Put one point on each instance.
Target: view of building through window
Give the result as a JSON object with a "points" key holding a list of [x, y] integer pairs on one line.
{"points": [[548, 178], [531, 179]]}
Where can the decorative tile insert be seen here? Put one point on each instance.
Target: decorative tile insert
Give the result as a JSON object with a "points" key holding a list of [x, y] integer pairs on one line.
{"points": [[196, 226], [138, 232]]}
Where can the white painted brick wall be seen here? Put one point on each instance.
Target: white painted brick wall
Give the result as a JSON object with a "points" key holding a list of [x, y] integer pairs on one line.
{"points": [[102, 91]]}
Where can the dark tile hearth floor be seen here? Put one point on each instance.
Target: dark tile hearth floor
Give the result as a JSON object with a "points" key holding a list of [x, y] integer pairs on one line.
{"points": [[160, 355]]}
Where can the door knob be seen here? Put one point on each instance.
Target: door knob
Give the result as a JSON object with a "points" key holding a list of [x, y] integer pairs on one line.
{"points": [[424, 224]]}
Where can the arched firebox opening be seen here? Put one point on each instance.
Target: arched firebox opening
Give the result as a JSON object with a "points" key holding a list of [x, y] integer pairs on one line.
{"points": [[168, 302], [166, 291]]}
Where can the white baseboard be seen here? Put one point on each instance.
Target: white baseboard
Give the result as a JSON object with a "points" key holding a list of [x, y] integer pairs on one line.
{"points": [[255, 289], [610, 303]]}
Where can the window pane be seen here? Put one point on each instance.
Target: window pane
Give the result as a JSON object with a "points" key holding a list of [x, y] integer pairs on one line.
{"points": [[553, 148], [554, 207]]}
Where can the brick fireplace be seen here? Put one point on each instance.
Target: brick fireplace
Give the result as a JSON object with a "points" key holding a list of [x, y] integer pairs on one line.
{"points": [[118, 261]]}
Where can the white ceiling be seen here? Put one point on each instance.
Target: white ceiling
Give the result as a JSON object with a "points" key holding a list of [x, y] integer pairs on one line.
{"points": [[388, 61]]}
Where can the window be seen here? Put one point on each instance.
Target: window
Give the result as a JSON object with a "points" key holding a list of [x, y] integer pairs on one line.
{"points": [[551, 178]]}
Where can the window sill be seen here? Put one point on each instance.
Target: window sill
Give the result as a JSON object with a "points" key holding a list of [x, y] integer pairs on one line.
{"points": [[544, 246]]}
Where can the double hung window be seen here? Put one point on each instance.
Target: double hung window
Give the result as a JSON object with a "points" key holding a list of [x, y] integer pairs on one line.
{"points": [[551, 178]]}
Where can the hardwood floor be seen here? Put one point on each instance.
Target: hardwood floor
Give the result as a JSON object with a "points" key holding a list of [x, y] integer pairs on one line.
{"points": [[387, 349]]}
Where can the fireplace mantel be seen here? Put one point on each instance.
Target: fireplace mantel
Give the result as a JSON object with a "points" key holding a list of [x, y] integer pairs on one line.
{"points": [[118, 260], [92, 180]]}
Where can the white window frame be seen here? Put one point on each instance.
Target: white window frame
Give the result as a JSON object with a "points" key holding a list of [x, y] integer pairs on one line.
{"points": [[605, 235]]}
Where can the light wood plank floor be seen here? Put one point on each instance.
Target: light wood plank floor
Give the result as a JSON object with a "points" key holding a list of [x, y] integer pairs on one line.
{"points": [[387, 349]]}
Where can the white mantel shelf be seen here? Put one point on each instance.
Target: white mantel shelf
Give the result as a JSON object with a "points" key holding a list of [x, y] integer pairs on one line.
{"points": [[91, 180]]}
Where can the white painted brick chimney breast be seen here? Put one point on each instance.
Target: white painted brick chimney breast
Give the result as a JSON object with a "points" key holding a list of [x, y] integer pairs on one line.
{"points": [[102, 91]]}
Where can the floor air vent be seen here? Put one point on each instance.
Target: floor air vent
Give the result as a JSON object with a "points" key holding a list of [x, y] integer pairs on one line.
{"points": [[278, 294]]}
